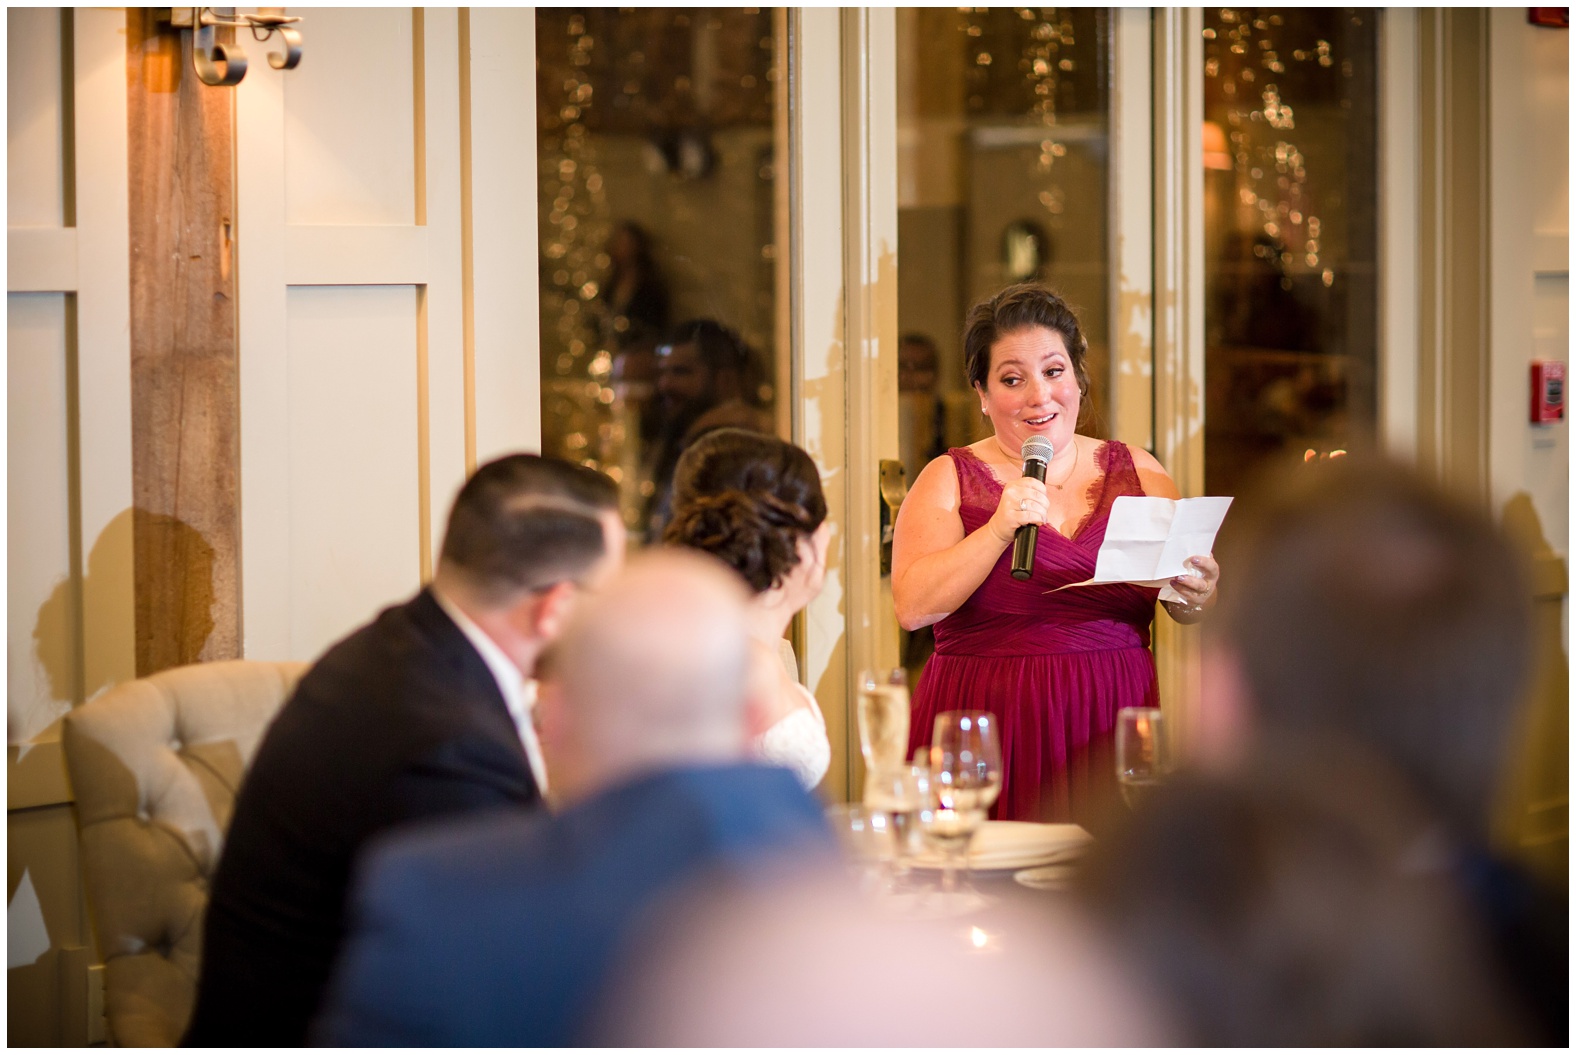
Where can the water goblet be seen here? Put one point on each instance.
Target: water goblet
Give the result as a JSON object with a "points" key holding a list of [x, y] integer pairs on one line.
{"points": [[866, 839], [901, 794], [965, 778]]}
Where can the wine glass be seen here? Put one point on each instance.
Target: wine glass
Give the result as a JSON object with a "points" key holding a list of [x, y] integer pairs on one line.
{"points": [[965, 778], [1143, 752], [866, 838], [900, 794]]}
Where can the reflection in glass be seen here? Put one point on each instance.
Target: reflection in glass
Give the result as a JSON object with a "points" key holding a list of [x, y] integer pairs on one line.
{"points": [[1290, 184], [659, 233], [1003, 169]]}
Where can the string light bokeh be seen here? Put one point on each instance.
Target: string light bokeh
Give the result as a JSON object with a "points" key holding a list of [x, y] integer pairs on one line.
{"points": [[656, 121], [1247, 50]]}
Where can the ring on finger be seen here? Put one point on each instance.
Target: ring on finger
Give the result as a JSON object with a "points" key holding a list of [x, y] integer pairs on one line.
{"points": [[1023, 505]]}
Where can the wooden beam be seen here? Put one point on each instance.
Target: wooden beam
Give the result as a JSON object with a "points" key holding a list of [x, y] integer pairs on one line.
{"points": [[184, 366]]}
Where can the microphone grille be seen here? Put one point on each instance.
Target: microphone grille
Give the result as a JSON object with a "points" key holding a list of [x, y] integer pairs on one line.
{"points": [[1038, 449]]}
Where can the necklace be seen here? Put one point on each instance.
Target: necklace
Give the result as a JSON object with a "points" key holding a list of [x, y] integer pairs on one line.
{"points": [[1065, 479], [1070, 472]]}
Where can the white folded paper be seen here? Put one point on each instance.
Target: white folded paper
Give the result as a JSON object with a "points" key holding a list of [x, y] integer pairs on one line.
{"points": [[1148, 540]]}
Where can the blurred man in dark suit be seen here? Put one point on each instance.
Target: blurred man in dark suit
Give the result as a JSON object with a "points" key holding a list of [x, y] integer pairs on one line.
{"points": [[423, 713], [506, 931]]}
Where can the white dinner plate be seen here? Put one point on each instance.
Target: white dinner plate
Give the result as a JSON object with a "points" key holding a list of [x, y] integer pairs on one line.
{"points": [[1047, 877], [1003, 845]]}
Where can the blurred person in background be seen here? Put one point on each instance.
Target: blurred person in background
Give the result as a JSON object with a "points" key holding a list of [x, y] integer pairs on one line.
{"points": [[502, 932], [1293, 904], [922, 437], [798, 959], [634, 294], [755, 502], [634, 301], [922, 419], [707, 378], [1375, 608], [423, 713]]}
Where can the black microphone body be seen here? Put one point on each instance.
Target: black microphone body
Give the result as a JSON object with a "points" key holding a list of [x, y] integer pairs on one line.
{"points": [[1037, 453]]}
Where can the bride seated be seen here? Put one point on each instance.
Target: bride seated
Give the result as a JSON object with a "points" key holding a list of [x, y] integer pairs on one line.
{"points": [[755, 502]]}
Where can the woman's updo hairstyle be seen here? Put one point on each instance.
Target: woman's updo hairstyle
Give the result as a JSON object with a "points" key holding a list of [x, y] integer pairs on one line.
{"points": [[1021, 307], [746, 498]]}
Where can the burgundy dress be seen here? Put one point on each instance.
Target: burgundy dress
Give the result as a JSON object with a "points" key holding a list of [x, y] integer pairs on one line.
{"points": [[1053, 667]]}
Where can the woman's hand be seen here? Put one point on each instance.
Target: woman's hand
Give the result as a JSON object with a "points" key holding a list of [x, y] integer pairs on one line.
{"points": [[1023, 501], [936, 565], [1197, 589]]}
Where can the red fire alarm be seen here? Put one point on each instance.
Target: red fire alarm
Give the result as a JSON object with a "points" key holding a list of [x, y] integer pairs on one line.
{"points": [[1548, 391]]}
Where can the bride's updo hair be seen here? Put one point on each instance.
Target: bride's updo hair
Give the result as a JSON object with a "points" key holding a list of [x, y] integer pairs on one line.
{"points": [[746, 498]]}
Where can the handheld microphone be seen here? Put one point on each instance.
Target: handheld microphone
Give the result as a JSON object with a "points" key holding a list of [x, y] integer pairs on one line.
{"points": [[1037, 453]]}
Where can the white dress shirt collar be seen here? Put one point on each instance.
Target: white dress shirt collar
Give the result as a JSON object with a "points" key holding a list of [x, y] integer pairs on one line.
{"points": [[519, 693]]}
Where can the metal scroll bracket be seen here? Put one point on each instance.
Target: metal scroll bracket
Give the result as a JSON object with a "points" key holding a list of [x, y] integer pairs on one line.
{"points": [[221, 64]]}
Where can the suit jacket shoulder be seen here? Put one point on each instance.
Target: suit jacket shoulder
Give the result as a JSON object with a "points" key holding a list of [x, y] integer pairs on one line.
{"points": [[403, 719], [446, 924], [399, 722]]}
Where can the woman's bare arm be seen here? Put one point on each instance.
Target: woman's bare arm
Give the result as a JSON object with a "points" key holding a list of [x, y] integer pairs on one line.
{"points": [[935, 565]]}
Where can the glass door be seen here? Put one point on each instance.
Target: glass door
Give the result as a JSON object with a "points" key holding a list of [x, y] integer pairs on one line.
{"points": [[1005, 148], [661, 237], [1291, 220]]}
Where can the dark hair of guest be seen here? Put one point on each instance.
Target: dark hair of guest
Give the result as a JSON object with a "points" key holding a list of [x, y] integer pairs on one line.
{"points": [[1023, 306], [718, 346], [1365, 599], [1283, 906], [746, 498], [525, 522], [722, 350]]}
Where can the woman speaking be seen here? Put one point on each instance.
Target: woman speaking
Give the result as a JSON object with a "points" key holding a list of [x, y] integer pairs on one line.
{"points": [[1054, 667]]}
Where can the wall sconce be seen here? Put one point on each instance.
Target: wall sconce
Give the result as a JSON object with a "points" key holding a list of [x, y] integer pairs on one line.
{"points": [[222, 65]]}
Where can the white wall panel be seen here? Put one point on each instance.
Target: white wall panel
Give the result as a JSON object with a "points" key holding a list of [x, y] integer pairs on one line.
{"points": [[352, 442], [1547, 448], [445, 295], [89, 642], [503, 167], [104, 346], [355, 302], [43, 639], [34, 118], [350, 154], [1529, 216]]}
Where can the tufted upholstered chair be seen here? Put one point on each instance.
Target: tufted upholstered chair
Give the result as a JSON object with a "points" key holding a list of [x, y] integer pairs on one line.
{"points": [[155, 766]]}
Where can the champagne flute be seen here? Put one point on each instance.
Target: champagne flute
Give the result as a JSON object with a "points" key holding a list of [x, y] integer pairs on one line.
{"points": [[1143, 753], [883, 738], [883, 720], [965, 778]]}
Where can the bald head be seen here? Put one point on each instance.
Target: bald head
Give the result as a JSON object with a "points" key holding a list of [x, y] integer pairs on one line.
{"points": [[651, 672]]}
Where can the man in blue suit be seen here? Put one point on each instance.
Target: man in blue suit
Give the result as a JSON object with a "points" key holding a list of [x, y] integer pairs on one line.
{"points": [[505, 930]]}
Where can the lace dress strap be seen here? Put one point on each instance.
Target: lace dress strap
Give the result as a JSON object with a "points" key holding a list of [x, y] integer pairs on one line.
{"points": [[977, 485], [1118, 477]]}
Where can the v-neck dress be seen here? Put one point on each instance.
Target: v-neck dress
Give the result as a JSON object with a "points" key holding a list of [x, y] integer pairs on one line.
{"points": [[1053, 667]]}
